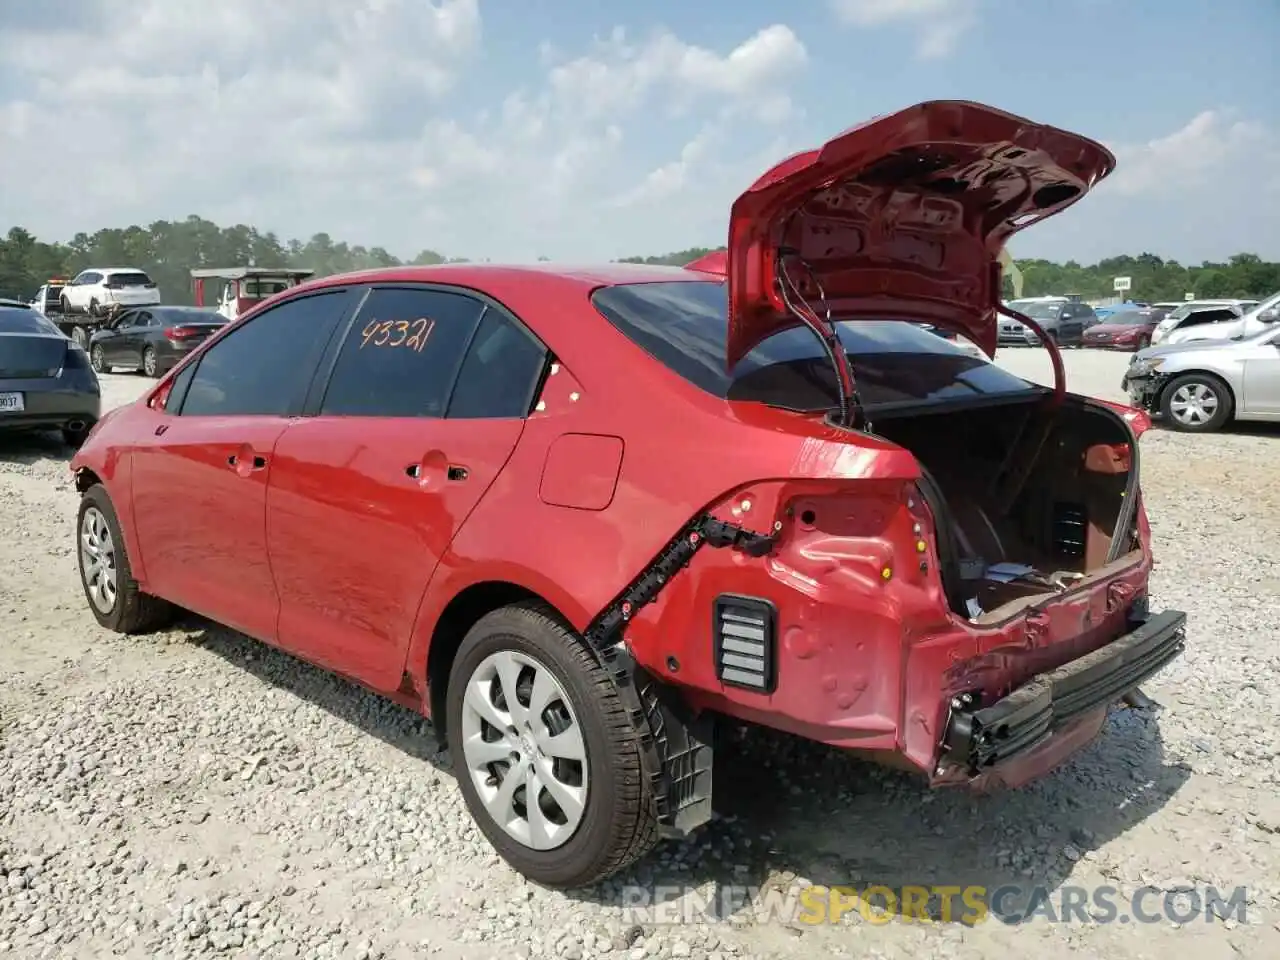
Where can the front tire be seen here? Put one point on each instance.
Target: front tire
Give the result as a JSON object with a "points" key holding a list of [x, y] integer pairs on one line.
{"points": [[80, 335], [528, 700], [1196, 403], [114, 597]]}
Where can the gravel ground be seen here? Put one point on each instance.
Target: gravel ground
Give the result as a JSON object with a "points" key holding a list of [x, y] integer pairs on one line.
{"points": [[193, 793]]}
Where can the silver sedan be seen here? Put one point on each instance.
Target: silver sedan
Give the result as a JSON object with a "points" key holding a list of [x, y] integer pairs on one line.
{"points": [[1202, 385]]}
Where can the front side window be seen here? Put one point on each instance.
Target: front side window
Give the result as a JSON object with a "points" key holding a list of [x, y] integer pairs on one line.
{"points": [[263, 368], [1209, 316], [401, 354], [682, 325]]}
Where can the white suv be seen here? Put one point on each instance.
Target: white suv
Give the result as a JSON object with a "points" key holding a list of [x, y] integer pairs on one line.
{"points": [[97, 290]]}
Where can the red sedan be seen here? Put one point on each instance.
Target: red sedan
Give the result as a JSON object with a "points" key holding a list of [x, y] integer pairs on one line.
{"points": [[578, 516], [1128, 329]]}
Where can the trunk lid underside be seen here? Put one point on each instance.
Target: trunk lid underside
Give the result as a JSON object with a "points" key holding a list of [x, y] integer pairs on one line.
{"points": [[904, 217]]}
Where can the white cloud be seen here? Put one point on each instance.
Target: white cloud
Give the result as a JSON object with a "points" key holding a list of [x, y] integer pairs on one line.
{"points": [[1206, 190], [1194, 155], [348, 116], [938, 24]]}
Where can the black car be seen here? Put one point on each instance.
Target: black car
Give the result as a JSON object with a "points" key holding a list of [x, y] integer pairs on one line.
{"points": [[151, 339], [46, 382]]}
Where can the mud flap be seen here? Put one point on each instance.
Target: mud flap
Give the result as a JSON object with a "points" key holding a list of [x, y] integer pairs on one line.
{"points": [[676, 747]]}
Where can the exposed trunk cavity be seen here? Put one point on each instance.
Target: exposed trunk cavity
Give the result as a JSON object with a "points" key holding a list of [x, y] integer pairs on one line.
{"points": [[1040, 490]]}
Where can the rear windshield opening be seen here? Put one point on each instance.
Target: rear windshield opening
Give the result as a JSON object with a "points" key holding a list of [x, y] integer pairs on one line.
{"points": [[682, 324]]}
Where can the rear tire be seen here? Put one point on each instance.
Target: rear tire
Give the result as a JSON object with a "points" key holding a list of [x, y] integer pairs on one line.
{"points": [[94, 310], [106, 575], [522, 650], [97, 359], [149, 364], [1196, 403]]}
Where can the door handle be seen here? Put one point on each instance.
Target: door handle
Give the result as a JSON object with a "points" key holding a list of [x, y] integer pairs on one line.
{"points": [[254, 462], [457, 472]]}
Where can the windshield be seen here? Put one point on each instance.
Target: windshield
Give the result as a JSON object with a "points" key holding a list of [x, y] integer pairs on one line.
{"points": [[1041, 310], [1129, 318], [682, 324]]}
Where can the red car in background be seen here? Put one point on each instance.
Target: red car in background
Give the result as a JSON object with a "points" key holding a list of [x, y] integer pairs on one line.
{"points": [[1128, 329], [579, 515]]}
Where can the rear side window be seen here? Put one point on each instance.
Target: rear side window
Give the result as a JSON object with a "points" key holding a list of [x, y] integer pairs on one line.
{"points": [[500, 373], [263, 367], [401, 354]]}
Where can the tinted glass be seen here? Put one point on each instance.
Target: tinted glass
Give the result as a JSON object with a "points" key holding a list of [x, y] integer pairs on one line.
{"points": [[130, 278], [264, 366], [401, 354], [500, 373], [181, 383], [172, 316], [25, 320], [682, 325]]}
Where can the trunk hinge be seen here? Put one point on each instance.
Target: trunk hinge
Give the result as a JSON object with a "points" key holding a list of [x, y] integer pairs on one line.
{"points": [[675, 745]]}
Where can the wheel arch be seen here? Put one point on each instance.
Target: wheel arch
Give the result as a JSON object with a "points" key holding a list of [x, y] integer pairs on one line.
{"points": [[459, 615]]}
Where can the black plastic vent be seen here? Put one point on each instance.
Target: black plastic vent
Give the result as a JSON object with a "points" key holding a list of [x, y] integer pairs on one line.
{"points": [[1069, 522], [745, 647]]}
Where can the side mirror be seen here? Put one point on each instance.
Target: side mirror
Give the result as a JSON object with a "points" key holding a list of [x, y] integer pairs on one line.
{"points": [[1269, 316]]}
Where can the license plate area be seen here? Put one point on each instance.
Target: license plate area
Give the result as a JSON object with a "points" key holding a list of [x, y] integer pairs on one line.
{"points": [[12, 403]]}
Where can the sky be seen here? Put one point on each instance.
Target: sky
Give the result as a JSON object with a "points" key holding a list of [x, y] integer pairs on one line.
{"points": [[513, 129]]}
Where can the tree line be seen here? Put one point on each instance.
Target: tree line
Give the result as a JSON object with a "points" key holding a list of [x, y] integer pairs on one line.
{"points": [[168, 250]]}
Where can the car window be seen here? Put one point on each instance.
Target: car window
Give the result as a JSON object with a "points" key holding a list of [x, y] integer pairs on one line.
{"points": [[500, 373], [1209, 316], [401, 354], [128, 278], [681, 324], [26, 320], [263, 367], [90, 277], [1042, 311], [181, 383]]}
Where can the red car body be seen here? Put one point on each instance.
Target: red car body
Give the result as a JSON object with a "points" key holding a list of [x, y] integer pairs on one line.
{"points": [[369, 545], [1125, 330]]}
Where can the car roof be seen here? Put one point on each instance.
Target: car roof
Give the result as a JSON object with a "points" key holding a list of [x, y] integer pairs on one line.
{"points": [[112, 270], [6, 302], [586, 276]]}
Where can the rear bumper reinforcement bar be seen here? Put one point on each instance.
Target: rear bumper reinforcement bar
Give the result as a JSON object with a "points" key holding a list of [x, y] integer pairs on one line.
{"points": [[979, 737]]}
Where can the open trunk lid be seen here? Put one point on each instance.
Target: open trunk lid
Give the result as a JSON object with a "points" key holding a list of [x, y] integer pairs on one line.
{"points": [[903, 217]]}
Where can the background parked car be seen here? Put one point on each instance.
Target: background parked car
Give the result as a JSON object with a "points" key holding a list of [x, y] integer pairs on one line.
{"points": [[1128, 329], [1012, 333], [1195, 312], [1064, 321], [45, 379], [1254, 320], [1200, 386], [152, 339]]}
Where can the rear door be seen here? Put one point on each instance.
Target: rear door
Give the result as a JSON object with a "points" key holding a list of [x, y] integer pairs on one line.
{"points": [[369, 489], [133, 331], [200, 478]]}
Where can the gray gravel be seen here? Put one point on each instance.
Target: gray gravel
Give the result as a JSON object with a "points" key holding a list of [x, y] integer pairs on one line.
{"points": [[193, 793]]}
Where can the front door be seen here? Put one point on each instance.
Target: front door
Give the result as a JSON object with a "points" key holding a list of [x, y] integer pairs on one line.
{"points": [[1262, 379], [200, 480], [368, 493]]}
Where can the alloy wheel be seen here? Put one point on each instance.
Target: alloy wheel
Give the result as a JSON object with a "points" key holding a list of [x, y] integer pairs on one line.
{"points": [[98, 560], [524, 749], [1194, 404]]}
